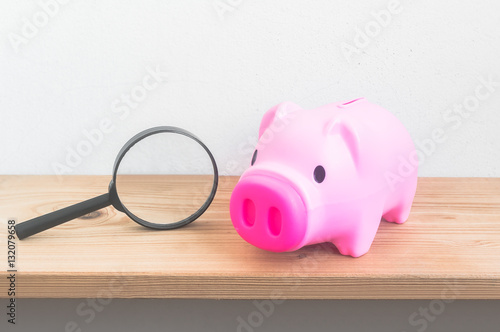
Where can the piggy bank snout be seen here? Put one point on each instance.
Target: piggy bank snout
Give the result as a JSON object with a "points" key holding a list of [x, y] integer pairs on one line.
{"points": [[268, 213]]}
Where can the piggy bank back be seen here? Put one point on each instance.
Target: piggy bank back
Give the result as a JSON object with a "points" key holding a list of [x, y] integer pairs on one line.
{"points": [[325, 175]]}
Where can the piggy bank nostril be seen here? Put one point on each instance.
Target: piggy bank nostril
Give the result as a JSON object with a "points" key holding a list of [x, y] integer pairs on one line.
{"points": [[248, 212], [268, 212], [274, 220]]}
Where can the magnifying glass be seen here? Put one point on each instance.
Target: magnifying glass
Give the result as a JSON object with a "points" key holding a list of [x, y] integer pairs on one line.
{"points": [[163, 178]]}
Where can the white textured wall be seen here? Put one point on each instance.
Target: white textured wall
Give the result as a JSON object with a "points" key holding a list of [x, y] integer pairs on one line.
{"points": [[224, 63]]}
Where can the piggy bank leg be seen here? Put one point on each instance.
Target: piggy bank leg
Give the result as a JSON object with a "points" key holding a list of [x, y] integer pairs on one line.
{"points": [[400, 212], [358, 240]]}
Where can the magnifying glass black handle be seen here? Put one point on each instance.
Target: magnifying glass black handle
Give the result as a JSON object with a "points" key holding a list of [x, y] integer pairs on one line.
{"points": [[42, 223]]}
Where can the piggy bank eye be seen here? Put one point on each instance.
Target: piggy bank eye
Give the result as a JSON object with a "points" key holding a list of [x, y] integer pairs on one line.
{"points": [[319, 174], [254, 158]]}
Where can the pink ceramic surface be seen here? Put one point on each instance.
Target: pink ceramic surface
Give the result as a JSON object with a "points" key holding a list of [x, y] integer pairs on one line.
{"points": [[325, 175]]}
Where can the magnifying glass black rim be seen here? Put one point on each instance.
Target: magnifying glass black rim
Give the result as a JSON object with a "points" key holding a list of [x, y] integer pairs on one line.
{"points": [[115, 198]]}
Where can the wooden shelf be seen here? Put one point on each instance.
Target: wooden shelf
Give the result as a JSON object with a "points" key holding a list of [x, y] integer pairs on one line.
{"points": [[450, 247]]}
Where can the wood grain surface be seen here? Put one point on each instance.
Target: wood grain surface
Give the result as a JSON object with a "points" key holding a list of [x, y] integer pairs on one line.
{"points": [[449, 248]]}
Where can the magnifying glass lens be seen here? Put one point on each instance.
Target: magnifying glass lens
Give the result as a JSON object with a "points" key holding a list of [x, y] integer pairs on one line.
{"points": [[164, 178]]}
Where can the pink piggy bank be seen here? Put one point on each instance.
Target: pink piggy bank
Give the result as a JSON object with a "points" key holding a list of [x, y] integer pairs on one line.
{"points": [[325, 175]]}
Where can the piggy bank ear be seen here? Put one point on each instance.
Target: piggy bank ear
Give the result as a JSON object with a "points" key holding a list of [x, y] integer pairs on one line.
{"points": [[345, 129], [277, 113]]}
